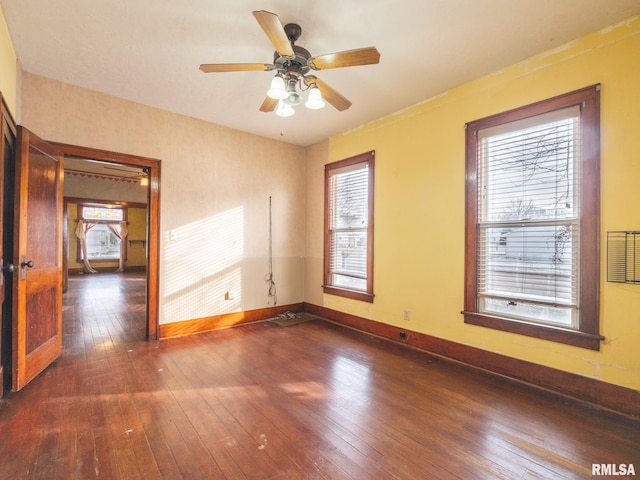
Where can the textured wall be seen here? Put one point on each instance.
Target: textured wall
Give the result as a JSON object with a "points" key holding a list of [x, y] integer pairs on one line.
{"points": [[215, 189], [8, 67]]}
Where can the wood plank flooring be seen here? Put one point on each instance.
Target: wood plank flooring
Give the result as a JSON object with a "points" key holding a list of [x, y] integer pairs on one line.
{"points": [[262, 401]]}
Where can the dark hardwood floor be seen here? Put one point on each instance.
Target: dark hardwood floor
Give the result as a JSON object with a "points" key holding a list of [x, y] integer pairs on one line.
{"points": [[263, 401]]}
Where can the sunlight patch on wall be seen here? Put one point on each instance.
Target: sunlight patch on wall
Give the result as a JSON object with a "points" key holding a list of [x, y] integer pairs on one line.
{"points": [[203, 267]]}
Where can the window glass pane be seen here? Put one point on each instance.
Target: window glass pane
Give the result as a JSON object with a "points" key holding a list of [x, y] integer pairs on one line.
{"points": [[350, 199], [349, 254], [521, 268], [102, 243], [351, 283], [528, 219], [102, 213], [529, 174]]}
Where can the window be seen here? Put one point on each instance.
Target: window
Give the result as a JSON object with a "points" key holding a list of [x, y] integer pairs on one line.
{"points": [[102, 232], [348, 256], [532, 220], [102, 243]]}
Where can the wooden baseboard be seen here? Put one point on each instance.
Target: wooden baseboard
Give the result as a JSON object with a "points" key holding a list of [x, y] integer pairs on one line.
{"points": [[587, 391], [199, 325]]}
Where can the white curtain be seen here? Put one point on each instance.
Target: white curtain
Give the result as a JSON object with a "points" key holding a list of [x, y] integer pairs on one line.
{"points": [[121, 231], [81, 233]]}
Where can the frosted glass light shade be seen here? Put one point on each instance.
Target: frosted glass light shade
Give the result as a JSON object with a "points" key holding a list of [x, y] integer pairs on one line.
{"points": [[314, 101], [284, 110], [277, 90]]}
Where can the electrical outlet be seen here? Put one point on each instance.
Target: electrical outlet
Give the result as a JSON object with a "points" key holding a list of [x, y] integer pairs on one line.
{"points": [[407, 315], [228, 296]]}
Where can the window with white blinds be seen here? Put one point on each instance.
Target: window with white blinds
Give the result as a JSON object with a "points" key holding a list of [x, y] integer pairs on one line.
{"points": [[349, 227], [532, 220], [529, 222]]}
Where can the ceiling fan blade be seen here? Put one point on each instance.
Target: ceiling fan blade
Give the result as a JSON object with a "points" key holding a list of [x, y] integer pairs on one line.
{"points": [[329, 94], [268, 105], [348, 58], [271, 25], [235, 67]]}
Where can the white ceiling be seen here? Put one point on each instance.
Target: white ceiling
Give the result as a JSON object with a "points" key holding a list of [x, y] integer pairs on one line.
{"points": [[149, 51]]}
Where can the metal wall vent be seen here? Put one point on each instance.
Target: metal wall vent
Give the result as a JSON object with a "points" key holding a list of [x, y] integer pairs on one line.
{"points": [[623, 257]]}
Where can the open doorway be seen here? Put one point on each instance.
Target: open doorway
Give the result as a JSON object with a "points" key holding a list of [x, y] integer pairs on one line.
{"points": [[114, 169]]}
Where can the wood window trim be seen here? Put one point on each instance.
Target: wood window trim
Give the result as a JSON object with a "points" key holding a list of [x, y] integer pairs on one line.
{"points": [[327, 287], [587, 335]]}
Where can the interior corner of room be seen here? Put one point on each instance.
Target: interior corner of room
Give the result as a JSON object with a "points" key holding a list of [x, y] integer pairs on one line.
{"points": [[201, 187]]}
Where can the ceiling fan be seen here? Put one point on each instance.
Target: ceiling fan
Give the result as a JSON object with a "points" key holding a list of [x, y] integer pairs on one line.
{"points": [[292, 65]]}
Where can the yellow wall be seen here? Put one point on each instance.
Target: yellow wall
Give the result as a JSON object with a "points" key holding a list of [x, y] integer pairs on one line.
{"points": [[419, 202], [136, 251], [8, 67]]}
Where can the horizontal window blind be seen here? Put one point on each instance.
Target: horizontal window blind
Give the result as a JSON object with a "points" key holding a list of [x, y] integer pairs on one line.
{"points": [[348, 226], [529, 218]]}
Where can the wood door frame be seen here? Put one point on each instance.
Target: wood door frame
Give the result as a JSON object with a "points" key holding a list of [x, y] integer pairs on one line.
{"points": [[8, 135], [153, 220]]}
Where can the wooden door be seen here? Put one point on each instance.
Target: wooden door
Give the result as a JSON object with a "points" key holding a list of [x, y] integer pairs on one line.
{"points": [[37, 279]]}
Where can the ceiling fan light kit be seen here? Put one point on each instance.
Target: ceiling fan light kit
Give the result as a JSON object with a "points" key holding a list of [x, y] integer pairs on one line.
{"points": [[290, 98], [284, 110], [292, 64], [277, 90], [314, 99]]}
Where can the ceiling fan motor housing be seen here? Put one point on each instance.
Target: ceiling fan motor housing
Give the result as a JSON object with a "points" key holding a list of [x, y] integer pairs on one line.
{"points": [[296, 65]]}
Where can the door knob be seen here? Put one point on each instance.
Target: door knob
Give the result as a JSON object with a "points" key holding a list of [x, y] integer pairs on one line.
{"points": [[24, 264], [8, 267]]}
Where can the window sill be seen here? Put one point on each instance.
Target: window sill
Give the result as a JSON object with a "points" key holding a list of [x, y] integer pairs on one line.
{"points": [[353, 294], [546, 332]]}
